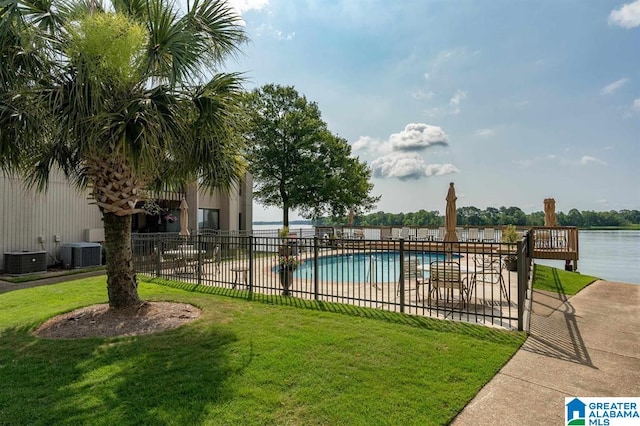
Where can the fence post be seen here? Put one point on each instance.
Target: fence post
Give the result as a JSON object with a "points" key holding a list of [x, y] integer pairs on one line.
{"points": [[158, 255], [402, 277], [522, 284], [315, 268], [200, 260], [251, 259]]}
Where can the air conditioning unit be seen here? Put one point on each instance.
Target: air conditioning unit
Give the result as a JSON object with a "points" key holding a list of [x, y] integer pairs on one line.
{"points": [[25, 262], [80, 255]]}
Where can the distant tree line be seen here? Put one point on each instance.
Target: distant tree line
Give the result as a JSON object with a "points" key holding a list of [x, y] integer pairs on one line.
{"points": [[473, 216]]}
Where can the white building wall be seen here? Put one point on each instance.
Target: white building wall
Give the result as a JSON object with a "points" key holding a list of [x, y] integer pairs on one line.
{"points": [[230, 205], [63, 211], [25, 216], [246, 203]]}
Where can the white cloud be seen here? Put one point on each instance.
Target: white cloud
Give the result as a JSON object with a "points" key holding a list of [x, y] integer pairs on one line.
{"points": [[455, 100], [612, 87], [242, 6], [636, 105], [398, 155], [398, 165], [485, 133], [417, 136], [414, 137], [367, 143], [406, 166], [285, 37], [420, 95], [586, 160], [442, 63], [441, 58], [275, 33], [440, 169], [628, 16]]}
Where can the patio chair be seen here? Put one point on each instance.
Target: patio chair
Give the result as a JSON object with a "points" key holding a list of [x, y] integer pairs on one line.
{"points": [[187, 260], [212, 257], [447, 276], [473, 235], [488, 271], [404, 233], [395, 233], [488, 235], [411, 272], [440, 234], [422, 234]]}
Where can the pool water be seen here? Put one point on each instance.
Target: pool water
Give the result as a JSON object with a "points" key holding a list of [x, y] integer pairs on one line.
{"points": [[362, 267]]}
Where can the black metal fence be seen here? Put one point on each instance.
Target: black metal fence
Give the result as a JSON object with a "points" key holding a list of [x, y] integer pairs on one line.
{"points": [[466, 281]]}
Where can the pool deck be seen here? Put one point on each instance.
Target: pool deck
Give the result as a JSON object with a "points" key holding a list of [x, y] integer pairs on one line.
{"points": [[492, 311]]}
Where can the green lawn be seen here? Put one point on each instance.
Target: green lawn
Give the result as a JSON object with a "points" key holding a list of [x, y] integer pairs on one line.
{"points": [[268, 361], [559, 281]]}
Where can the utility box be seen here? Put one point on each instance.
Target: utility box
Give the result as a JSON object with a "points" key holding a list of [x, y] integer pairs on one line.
{"points": [[25, 262], [80, 255]]}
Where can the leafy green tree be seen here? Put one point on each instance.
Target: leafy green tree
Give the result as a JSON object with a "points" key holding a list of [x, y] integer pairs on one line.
{"points": [[470, 215], [502, 216], [110, 95], [490, 216], [297, 163], [630, 216], [574, 218]]}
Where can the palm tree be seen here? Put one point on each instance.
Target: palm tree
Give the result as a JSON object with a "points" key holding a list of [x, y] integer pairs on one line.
{"points": [[121, 97]]}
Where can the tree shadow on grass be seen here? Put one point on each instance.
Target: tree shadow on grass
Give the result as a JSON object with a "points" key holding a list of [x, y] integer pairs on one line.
{"points": [[437, 325], [172, 377]]}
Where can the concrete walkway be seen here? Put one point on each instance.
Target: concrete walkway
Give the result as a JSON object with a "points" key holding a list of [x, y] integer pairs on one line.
{"points": [[587, 345]]}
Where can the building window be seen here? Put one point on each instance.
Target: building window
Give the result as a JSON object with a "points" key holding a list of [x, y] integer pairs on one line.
{"points": [[209, 219]]}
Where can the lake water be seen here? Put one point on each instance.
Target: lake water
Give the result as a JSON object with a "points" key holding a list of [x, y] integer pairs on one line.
{"points": [[610, 255]]}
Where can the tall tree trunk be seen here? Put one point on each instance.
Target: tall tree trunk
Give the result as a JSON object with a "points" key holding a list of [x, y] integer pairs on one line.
{"points": [[122, 286], [285, 215]]}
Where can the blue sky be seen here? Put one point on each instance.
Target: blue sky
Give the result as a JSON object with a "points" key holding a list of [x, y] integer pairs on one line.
{"points": [[513, 101]]}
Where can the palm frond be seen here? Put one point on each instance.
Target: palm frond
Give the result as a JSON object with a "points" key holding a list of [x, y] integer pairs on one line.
{"points": [[218, 27], [181, 48], [49, 156], [143, 125], [169, 56], [42, 14], [21, 48], [217, 141], [75, 9], [136, 9]]}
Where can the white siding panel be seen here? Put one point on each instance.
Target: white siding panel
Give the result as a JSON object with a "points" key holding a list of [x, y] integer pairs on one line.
{"points": [[27, 215]]}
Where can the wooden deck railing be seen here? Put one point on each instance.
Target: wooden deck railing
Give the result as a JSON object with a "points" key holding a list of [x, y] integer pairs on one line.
{"points": [[557, 242]]}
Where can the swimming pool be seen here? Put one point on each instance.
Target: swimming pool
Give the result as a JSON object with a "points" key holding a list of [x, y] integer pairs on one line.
{"points": [[362, 267]]}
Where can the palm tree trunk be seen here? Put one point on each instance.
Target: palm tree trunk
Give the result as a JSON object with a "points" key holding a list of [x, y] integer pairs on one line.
{"points": [[122, 285]]}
